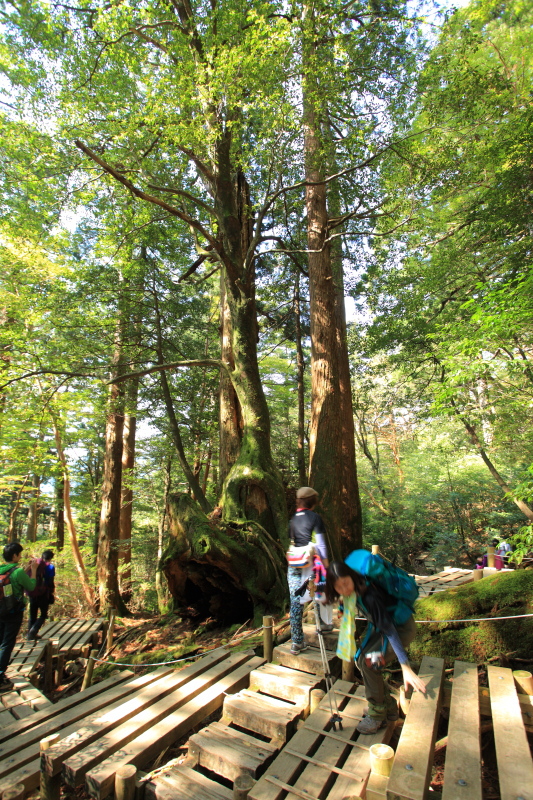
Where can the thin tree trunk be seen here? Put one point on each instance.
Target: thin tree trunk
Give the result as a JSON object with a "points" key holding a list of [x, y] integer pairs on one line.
{"points": [[300, 373], [13, 516], [31, 521], [78, 560], [126, 505], [160, 584], [60, 512], [524, 508]]}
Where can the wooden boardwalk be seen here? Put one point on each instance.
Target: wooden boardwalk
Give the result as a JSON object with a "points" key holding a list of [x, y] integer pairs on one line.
{"points": [[276, 732], [447, 579]]}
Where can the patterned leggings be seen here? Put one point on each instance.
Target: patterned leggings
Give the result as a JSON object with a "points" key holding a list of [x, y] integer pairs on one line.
{"points": [[294, 578]]}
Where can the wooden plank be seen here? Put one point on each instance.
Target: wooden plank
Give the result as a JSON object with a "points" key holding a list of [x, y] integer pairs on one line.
{"points": [[308, 661], [376, 788], [411, 770], [515, 766], [287, 769], [283, 682], [525, 701], [124, 722], [11, 699], [100, 781], [25, 763], [463, 753], [22, 711], [229, 753], [6, 718], [186, 784], [22, 749], [262, 714]]}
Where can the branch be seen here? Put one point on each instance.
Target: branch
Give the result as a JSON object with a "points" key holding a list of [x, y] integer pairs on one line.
{"points": [[47, 372], [183, 193], [203, 362], [143, 195]]}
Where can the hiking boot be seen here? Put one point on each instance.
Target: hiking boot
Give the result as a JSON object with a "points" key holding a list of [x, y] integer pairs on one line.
{"points": [[326, 628], [6, 685], [371, 725], [296, 649], [392, 715]]}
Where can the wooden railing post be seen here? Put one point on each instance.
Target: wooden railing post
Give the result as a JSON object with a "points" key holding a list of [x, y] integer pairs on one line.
{"points": [[88, 677], [125, 779], [50, 784], [268, 624], [241, 786]]}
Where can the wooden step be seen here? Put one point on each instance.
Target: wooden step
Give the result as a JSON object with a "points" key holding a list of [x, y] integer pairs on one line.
{"points": [[262, 714], [330, 639], [229, 753], [285, 683], [308, 661], [184, 783]]}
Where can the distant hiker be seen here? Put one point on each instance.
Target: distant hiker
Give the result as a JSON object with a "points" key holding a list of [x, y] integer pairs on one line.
{"points": [[43, 595], [390, 629], [13, 582], [504, 550], [304, 524], [479, 563]]}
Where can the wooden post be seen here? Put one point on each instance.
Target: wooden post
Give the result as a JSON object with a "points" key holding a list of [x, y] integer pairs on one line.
{"points": [[317, 695], [125, 780], [268, 624], [381, 759], [50, 784], [15, 792], [490, 556], [348, 671], [241, 786], [49, 667], [110, 629], [523, 681], [477, 574], [375, 549], [88, 677]]}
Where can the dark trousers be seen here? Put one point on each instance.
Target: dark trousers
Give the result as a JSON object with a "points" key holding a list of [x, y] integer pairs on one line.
{"points": [[377, 690], [38, 613], [9, 628]]}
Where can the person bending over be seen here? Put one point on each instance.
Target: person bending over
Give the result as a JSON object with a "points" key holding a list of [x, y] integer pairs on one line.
{"points": [[383, 641]]}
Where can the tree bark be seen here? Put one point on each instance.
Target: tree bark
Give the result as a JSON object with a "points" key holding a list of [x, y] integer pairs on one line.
{"points": [[60, 512], [126, 504], [332, 449], [31, 521], [300, 373], [162, 591], [108, 538], [78, 560], [230, 417]]}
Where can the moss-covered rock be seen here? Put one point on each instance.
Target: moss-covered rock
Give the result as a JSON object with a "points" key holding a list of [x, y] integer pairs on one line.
{"points": [[501, 594]]}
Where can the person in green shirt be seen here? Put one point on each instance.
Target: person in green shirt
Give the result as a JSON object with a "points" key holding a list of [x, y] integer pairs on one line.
{"points": [[11, 621]]}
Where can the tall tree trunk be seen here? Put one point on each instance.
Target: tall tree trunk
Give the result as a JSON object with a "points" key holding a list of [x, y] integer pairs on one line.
{"points": [[126, 505], [31, 521], [160, 586], [60, 512], [230, 417], [78, 560], [108, 538], [332, 449], [12, 529], [300, 374]]}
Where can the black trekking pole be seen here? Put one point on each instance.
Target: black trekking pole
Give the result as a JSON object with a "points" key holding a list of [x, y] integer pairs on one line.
{"points": [[336, 718]]}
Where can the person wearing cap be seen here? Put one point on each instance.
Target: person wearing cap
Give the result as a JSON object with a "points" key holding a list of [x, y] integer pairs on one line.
{"points": [[305, 524]]}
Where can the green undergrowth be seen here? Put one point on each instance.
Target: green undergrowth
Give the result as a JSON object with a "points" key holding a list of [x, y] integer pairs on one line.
{"points": [[501, 594]]}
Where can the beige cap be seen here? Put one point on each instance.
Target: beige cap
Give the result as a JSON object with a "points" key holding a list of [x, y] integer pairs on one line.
{"points": [[306, 491]]}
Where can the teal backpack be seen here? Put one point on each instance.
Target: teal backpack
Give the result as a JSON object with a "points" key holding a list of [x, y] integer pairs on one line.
{"points": [[395, 581]]}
